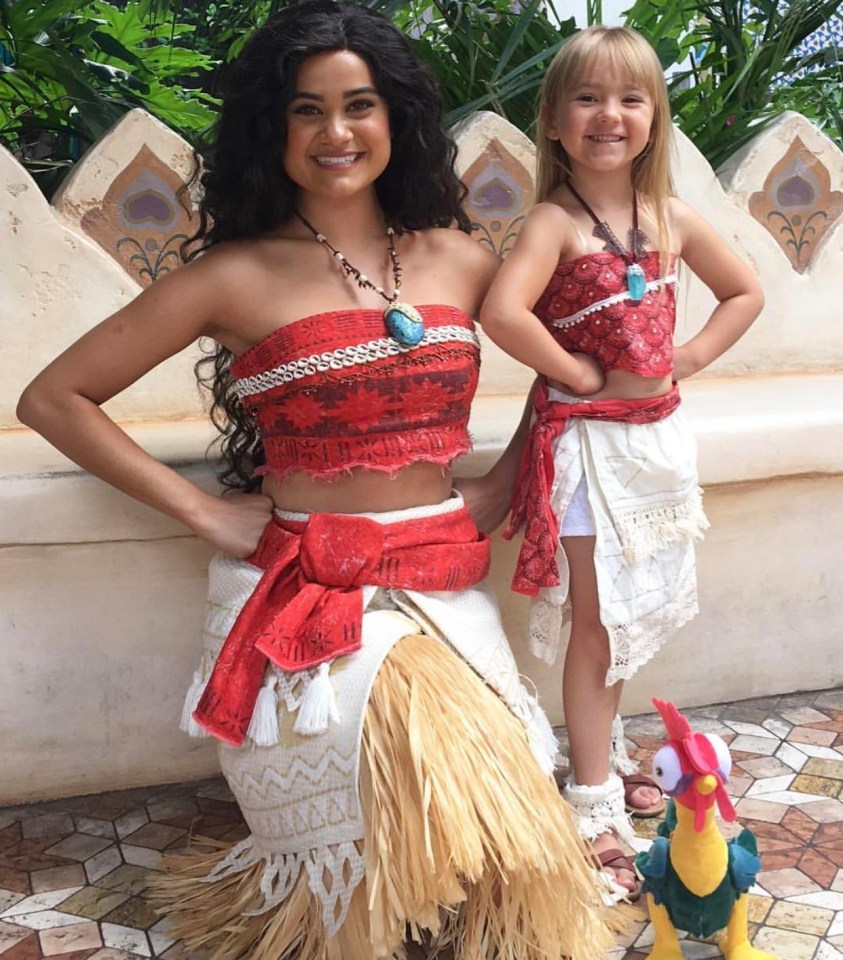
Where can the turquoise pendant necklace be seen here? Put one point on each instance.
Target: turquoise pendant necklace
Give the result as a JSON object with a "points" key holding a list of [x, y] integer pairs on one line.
{"points": [[636, 282], [403, 322]]}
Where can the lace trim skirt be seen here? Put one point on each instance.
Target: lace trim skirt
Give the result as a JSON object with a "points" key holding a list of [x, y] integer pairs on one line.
{"points": [[425, 815], [644, 496]]}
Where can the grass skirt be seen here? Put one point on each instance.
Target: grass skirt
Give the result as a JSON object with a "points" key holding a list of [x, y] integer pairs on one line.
{"points": [[468, 846]]}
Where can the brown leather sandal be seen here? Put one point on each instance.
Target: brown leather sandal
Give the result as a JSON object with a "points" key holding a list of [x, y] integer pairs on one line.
{"points": [[615, 859], [631, 782]]}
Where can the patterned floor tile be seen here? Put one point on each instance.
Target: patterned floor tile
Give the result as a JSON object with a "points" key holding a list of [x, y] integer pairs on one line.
{"points": [[140, 856], [93, 903], [765, 767], [10, 836], [96, 827], [157, 836], [127, 879], [134, 912], [47, 919], [10, 934], [803, 714], [786, 943], [823, 786], [800, 917], [818, 867], [109, 953], [755, 809], [824, 811], [817, 767], [28, 949], [79, 846], [131, 821], [58, 878], [49, 825], [8, 898], [37, 902], [64, 940], [126, 938], [820, 738], [72, 871]]}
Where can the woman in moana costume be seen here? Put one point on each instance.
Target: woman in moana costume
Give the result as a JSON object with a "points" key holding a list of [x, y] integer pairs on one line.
{"points": [[393, 770]]}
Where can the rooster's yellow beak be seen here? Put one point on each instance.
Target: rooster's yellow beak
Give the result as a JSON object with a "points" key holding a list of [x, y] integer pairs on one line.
{"points": [[707, 784]]}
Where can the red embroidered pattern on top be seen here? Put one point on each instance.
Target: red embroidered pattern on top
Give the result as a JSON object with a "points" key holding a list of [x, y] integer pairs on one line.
{"points": [[587, 308], [334, 391]]}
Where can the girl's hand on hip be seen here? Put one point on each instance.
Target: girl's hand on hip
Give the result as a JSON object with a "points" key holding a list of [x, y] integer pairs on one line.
{"points": [[234, 523], [590, 378], [683, 363]]}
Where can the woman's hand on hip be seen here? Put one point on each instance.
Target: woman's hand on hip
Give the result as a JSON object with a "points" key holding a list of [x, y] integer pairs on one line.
{"points": [[233, 523]]}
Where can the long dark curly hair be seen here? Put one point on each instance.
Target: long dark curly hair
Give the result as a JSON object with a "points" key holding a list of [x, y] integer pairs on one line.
{"points": [[246, 190]]}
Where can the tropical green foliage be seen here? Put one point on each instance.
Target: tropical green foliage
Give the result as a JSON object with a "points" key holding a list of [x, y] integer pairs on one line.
{"points": [[69, 69], [488, 55], [737, 64]]}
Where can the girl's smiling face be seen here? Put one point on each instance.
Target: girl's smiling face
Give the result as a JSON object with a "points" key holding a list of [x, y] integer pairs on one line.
{"points": [[604, 121], [338, 137]]}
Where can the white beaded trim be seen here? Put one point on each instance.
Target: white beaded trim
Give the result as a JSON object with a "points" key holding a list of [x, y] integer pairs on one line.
{"points": [[344, 357], [615, 298]]}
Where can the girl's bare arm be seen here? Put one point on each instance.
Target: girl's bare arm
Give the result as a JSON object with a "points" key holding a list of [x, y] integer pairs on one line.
{"points": [[507, 315], [729, 279]]}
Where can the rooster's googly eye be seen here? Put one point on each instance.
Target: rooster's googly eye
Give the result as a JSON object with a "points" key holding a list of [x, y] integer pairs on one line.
{"points": [[724, 758], [667, 769]]}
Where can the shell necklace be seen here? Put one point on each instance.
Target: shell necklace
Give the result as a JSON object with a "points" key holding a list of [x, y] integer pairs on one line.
{"points": [[403, 321], [636, 282]]}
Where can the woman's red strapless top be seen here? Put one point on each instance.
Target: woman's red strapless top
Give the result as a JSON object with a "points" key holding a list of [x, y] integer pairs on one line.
{"points": [[587, 308], [334, 391]]}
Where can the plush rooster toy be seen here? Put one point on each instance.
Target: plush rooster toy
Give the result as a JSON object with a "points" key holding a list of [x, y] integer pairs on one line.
{"points": [[693, 879]]}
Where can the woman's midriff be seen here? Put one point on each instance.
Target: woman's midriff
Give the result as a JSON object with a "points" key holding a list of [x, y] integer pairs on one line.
{"points": [[360, 490]]}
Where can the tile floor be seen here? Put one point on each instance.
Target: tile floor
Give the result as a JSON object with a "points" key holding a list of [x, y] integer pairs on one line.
{"points": [[72, 871]]}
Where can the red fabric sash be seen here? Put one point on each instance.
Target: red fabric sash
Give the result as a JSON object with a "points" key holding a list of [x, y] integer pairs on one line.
{"points": [[536, 566], [308, 606]]}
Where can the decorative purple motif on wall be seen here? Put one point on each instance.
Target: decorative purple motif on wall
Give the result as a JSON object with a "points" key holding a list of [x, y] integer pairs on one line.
{"points": [[500, 192], [142, 220], [797, 204]]}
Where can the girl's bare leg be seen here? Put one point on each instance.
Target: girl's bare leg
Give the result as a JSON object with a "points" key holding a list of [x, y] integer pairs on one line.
{"points": [[590, 706]]}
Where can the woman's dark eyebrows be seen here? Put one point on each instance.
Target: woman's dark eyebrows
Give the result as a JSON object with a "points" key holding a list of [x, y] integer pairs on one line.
{"points": [[304, 95]]}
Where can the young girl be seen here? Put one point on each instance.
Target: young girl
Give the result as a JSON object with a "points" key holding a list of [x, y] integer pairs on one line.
{"points": [[608, 494], [394, 773]]}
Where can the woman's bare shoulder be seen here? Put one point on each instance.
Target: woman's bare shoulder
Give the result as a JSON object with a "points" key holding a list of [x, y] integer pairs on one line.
{"points": [[449, 241]]}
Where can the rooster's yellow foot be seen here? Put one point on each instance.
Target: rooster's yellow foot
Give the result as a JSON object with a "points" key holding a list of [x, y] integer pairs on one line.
{"points": [[666, 946], [745, 951], [670, 951], [735, 945]]}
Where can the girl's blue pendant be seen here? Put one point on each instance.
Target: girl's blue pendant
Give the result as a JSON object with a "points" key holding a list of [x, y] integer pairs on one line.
{"points": [[404, 323], [636, 282]]}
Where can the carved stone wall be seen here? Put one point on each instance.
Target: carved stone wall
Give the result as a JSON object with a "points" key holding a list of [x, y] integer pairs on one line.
{"points": [[102, 597]]}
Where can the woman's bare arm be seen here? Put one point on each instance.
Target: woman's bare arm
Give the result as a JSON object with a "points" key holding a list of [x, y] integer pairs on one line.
{"points": [[63, 402]]}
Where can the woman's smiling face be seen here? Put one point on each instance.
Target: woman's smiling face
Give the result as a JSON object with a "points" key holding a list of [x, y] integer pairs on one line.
{"points": [[338, 137]]}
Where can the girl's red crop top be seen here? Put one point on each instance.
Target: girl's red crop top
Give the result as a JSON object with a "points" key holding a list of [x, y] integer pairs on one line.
{"points": [[334, 391], [586, 306]]}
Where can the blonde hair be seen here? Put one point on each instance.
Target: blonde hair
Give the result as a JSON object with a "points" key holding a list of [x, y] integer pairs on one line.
{"points": [[627, 51]]}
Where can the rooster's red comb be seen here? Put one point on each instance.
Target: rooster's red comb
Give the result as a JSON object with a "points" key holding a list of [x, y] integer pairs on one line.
{"points": [[675, 724]]}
